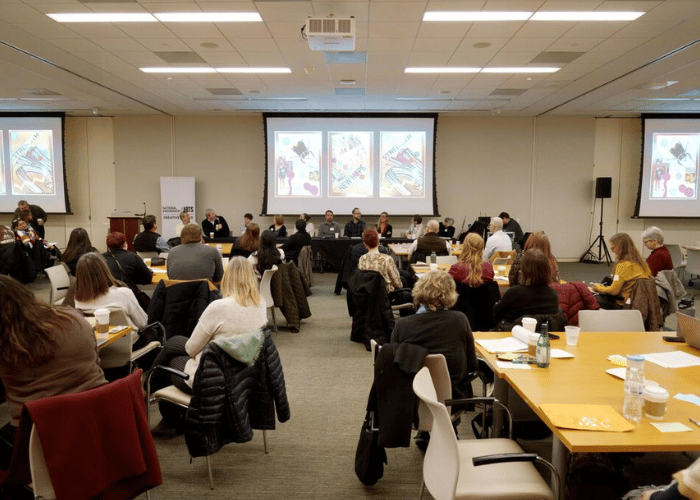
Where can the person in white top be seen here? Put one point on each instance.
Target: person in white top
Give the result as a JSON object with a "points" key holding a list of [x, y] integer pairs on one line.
{"points": [[184, 220], [241, 310], [309, 225], [96, 288], [498, 241], [416, 229]]}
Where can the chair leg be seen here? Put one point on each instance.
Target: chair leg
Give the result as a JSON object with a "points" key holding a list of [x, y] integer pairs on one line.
{"points": [[274, 320], [211, 477], [265, 441], [422, 489]]}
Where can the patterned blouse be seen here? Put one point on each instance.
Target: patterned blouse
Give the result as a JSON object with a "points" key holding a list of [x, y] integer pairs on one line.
{"points": [[384, 264]]}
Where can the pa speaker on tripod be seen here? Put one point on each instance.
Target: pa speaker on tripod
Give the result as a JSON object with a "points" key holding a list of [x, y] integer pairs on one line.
{"points": [[603, 190]]}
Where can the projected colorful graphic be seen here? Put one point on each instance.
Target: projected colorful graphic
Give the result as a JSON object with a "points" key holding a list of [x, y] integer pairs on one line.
{"points": [[31, 157], [674, 166], [297, 163], [350, 164], [402, 156]]}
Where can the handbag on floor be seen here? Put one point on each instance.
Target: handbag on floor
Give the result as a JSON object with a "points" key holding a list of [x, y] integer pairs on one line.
{"points": [[369, 457]]}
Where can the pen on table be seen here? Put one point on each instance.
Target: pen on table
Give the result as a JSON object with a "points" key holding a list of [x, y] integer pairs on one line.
{"points": [[694, 421]]}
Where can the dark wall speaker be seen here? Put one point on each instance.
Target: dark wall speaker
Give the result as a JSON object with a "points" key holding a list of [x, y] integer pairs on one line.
{"points": [[603, 187]]}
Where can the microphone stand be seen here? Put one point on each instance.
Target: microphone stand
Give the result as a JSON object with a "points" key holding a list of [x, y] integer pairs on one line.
{"points": [[589, 257]]}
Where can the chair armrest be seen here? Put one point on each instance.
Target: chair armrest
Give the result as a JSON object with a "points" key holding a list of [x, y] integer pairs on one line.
{"points": [[172, 371], [484, 401]]}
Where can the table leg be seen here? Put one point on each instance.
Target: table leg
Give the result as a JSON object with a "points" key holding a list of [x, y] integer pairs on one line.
{"points": [[560, 457], [500, 392]]}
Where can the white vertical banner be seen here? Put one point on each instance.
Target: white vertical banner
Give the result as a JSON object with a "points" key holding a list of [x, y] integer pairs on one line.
{"points": [[176, 195]]}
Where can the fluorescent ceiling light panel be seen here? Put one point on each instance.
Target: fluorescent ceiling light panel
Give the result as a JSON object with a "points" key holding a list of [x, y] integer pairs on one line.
{"points": [[178, 70], [476, 16], [253, 70], [586, 16], [114, 17], [442, 70], [520, 70], [208, 17]]}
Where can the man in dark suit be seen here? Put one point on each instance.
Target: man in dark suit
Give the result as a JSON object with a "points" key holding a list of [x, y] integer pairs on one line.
{"points": [[215, 224]]}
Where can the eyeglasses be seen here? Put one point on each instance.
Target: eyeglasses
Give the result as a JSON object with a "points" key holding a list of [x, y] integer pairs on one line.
{"points": [[647, 241]]}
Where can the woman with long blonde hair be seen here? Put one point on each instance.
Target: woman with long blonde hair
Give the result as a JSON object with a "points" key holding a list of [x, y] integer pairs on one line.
{"points": [[629, 268], [472, 269], [539, 241]]}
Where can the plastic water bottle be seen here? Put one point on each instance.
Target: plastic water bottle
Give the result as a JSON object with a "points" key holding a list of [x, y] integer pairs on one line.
{"points": [[433, 258], [542, 348], [634, 388]]}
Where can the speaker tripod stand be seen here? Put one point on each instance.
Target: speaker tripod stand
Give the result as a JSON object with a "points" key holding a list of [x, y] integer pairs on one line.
{"points": [[588, 256]]}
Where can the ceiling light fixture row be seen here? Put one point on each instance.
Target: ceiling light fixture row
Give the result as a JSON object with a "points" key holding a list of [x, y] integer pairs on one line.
{"points": [[202, 70], [481, 16]]}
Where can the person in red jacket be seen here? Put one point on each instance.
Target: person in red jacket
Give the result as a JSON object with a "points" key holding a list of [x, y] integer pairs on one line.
{"points": [[660, 258]]}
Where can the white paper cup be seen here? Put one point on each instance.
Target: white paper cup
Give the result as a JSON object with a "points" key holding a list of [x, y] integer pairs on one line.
{"points": [[102, 321], [655, 399], [433, 267], [572, 335], [336, 235], [211, 236], [147, 261], [529, 324]]}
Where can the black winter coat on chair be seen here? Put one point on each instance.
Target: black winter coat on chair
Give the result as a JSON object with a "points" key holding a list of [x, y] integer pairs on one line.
{"points": [[369, 306]]}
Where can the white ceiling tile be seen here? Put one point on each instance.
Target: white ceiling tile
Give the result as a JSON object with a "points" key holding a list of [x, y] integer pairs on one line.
{"points": [[443, 30], [165, 44], [429, 58], [141, 59], [393, 30], [513, 58], [567, 44], [223, 59], [244, 30], [21, 14], [673, 11], [618, 45], [222, 45], [494, 30], [437, 45], [263, 59], [475, 59], [117, 45], [595, 30], [518, 44], [47, 31], [496, 44], [396, 11], [141, 31], [289, 30], [645, 30], [194, 30], [254, 45], [401, 45], [76, 45]]}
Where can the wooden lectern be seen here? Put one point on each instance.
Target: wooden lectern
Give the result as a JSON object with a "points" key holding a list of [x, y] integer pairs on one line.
{"points": [[127, 224]]}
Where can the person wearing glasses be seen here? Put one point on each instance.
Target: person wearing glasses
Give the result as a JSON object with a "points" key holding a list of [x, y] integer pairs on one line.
{"points": [[355, 227], [660, 258]]}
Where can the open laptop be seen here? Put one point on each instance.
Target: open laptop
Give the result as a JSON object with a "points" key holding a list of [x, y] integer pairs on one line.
{"points": [[689, 330]]}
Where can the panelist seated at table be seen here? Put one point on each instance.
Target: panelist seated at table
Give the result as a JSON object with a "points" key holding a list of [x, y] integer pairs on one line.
{"points": [[329, 228], [44, 351], [355, 226], [185, 219], [297, 241], [278, 228], [267, 255], [447, 229], [532, 297], [472, 270], [216, 224], [425, 245], [630, 266], [540, 241], [498, 241], [383, 227], [416, 229], [309, 225], [193, 260]]}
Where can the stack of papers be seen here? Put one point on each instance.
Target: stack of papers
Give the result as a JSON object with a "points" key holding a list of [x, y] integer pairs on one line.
{"points": [[518, 342], [673, 359]]}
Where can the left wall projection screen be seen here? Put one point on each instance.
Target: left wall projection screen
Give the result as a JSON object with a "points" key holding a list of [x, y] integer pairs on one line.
{"points": [[31, 163]]}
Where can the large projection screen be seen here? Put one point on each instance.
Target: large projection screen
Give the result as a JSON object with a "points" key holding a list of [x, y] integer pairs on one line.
{"points": [[379, 163], [668, 184], [31, 162]]}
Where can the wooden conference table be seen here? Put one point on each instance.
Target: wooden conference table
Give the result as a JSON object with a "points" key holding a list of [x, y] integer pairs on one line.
{"points": [[113, 337], [583, 380]]}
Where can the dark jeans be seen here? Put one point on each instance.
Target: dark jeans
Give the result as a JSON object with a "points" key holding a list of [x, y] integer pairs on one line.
{"points": [[669, 493], [608, 301]]}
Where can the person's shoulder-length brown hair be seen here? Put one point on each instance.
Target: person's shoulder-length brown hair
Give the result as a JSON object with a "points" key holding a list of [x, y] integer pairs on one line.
{"points": [[92, 277], [539, 241], [534, 268], [626, 250], [250, 240]]}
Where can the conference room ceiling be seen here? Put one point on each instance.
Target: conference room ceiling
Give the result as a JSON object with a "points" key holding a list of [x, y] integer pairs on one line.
{"points": [[608, 68]]}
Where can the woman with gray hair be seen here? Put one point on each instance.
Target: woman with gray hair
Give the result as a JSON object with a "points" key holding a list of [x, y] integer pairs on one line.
{"points": [[660, 258]]}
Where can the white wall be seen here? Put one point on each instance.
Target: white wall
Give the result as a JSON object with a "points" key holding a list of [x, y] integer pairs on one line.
{"points": [[540, 170]]}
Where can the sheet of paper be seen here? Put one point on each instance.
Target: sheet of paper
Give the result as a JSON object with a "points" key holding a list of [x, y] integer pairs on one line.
{"points": [[690, 398], [508, 344], [560, 354], [506, 365], [671, 427], [673, 359]]}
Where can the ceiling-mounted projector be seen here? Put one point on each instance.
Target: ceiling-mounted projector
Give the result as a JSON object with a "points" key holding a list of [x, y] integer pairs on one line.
{"points": [[331, 34]]}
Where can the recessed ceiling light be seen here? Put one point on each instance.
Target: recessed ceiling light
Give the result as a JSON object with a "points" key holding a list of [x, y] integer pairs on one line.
{"points": [[113, 17], [442, 70], [348, 82], [475, 16], [253, 70], [178, 70], [209, 45], [445, 91], [586, 16], [208, 17], [481, 45], [519, 70]]}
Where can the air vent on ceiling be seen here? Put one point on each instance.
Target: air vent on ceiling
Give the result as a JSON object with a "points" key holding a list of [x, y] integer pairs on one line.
{"points": [[349, 91], [180, 57], [225, 91], [345, 57]]}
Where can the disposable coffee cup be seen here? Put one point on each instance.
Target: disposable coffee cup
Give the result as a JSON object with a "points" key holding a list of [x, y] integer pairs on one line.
{"points": [[336, 234], [572, 335], [655, 399], [147, 261], [102, 322], [529, 324], [433, 267], [211, 236]]}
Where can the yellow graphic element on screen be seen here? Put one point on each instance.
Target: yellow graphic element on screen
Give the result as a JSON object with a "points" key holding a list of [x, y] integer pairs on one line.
{"points": [[31, 162]]}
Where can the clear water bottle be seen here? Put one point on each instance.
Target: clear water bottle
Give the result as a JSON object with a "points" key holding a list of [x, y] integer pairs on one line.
{"points": [[433, 258], [634, 388], [542, 348]]}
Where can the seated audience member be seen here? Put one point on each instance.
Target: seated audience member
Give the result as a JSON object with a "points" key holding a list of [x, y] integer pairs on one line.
{"points": [[498, 241], [12, 258], [416, 229], [440, 330], [44, 351], [148, 240], [384, 229], [124, 265], [629, 268], [540, 241], [268, 254], [447, 229], [309, 225], [248, 243], [216, 224], [193, 260], [38, 216], [355, 226], [532, 296], [184, 220], [241, 311], [278, 228], [511, 226], [297, 241], [373, 260], [660, 258], [685, 486], [96, 288], [247, 219], [430, 242], [472, 269], [329, 228], [78, 245]]}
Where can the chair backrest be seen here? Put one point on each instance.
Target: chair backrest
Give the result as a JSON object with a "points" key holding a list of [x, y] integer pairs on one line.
{"points": [[676, 255], [117, 354], [602, 320], [501, 254], [439, 373], [693, 263], [441, 463], [41, 481], [265, 289], [60, 282], [444, 259], [148, 255]]}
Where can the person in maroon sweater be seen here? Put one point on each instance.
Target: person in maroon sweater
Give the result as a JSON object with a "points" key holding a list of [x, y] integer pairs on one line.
{"points": [[660, 258]]}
